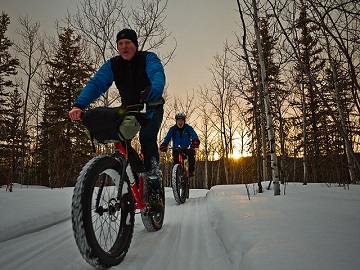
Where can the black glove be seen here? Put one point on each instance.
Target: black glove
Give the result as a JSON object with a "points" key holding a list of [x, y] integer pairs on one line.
{"points": [[195, 144], [163, 147]]}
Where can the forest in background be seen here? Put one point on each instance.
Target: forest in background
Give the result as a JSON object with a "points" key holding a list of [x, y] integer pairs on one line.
{"points": [[285, 96]]}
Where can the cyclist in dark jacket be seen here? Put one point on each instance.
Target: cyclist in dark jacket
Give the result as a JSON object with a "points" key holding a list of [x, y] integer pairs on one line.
{"points": [[139, 76], [182, 136]]}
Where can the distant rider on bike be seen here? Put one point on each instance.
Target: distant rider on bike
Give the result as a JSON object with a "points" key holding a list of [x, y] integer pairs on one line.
{"points": [[139, 76], [182, 136]]}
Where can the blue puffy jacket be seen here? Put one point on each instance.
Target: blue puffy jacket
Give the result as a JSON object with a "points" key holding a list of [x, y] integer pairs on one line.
{"points": [[104, 78], [188, 136]]}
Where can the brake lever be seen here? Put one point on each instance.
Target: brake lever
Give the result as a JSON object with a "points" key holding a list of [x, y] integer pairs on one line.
{"points": [[144, 109]]}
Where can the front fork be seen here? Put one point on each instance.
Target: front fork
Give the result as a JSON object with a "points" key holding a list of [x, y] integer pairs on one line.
{"points": [[137, 190], [122, 186]]}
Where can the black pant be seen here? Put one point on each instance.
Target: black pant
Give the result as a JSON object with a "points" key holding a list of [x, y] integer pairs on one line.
{"points": [[149, 147], [191, 158]]}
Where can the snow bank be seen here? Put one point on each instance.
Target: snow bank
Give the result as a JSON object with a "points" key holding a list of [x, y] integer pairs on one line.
{"points": [[31, 208]]}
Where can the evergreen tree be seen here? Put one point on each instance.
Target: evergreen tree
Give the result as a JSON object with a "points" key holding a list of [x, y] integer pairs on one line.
{"points": [[14, 135], [307, 74], [8, 66], [334, 141], [63, 144], [276, 93]]}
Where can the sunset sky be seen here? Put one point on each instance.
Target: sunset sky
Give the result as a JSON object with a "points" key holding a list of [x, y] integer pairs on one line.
{"points": [[200, 28]]}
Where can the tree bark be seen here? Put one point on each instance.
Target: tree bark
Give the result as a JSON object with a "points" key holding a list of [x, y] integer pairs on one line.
{"points": [[269, 121]]}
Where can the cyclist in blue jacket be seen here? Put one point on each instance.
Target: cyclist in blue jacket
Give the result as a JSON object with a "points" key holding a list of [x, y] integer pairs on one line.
{"points": [[182, 136], [139, 76]]}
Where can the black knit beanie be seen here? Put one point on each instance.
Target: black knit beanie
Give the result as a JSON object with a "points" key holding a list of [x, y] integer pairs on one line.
{"points": [[127, 34]]}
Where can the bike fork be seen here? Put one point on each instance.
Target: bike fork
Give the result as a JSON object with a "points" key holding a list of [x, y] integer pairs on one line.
{"points": [[135, 188]]}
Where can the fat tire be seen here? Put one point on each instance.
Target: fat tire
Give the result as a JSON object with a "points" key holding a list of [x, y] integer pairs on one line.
{"points": [[154, 221], [187, 190], [178, 187], [82, 215]]}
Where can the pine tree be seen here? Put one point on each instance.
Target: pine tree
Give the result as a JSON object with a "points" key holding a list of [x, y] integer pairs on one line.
{"points": [[334, 142], [276, 93], [63, 144], [313, 113], [14, 135], [8, 66]]}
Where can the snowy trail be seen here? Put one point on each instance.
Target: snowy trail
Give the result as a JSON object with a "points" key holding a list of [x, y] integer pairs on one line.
{"points": [[50, 248], [312, 227], [186, 241]]}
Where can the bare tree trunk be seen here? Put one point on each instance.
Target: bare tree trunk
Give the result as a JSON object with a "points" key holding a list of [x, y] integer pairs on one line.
{"points": [[226, 169], [31, 49], [317, 90], [206, 176], [305, 162], [218, 170], [329, 25], [255, 102], [294, 165], [269, 121], [265, 175], [348, 145], [282, 146]]}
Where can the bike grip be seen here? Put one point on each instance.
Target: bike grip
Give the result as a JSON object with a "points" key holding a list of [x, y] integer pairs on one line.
{"points": [[157, 102]]}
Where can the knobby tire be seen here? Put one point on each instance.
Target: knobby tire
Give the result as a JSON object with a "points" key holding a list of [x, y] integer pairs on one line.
{"points": [[103, 237], [179, 184], [153, 221]]}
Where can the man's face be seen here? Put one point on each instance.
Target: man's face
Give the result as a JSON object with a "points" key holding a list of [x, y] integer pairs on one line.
{"points": [[126, 48], [180, 123]]}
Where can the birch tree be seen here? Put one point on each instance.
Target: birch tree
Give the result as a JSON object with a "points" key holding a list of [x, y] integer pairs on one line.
{"points": [[266, 99], [253, 100], [339, 95]]}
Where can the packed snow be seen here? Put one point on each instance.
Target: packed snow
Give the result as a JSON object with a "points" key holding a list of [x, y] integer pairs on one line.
{"points": [[310, 227]]}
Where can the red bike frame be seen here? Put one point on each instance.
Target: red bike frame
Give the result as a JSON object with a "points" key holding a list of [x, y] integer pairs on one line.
{"points": [[180, 158], [137, 190]]}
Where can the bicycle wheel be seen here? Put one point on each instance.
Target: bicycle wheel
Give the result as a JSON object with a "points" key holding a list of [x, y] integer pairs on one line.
{"points": [[103, 224], [179, 184], [187, 186], [153, 221]]}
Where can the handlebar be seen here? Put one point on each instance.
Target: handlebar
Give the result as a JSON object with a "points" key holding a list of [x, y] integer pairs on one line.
{"points": [[142, 107], [179, 148]]}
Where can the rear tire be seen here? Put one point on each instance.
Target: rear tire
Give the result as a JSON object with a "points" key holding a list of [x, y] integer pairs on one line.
{"points": [[179, 184], [188, 190], [103, 236], [154, 221]]}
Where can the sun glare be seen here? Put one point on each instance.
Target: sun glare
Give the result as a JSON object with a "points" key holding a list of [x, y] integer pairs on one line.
{"points": [[236, 154]]}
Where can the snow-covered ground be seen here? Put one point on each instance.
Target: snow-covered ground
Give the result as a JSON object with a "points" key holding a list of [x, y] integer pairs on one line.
{"points": [[311, 227]]}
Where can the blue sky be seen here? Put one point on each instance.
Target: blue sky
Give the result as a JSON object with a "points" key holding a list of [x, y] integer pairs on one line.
{"points": [[200, 27]]}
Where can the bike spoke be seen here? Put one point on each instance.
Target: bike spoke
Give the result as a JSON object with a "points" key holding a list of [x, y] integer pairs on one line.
{"points": [[103, 227], [106, 225]]}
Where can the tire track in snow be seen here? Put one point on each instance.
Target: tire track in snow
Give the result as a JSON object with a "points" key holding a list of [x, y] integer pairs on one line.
{"points": [[187, 241], [43, 250], [146, 250]]}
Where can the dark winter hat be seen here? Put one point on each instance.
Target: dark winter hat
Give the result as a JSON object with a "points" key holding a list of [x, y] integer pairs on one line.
{"points": [[180, 116], [127, 34]]}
